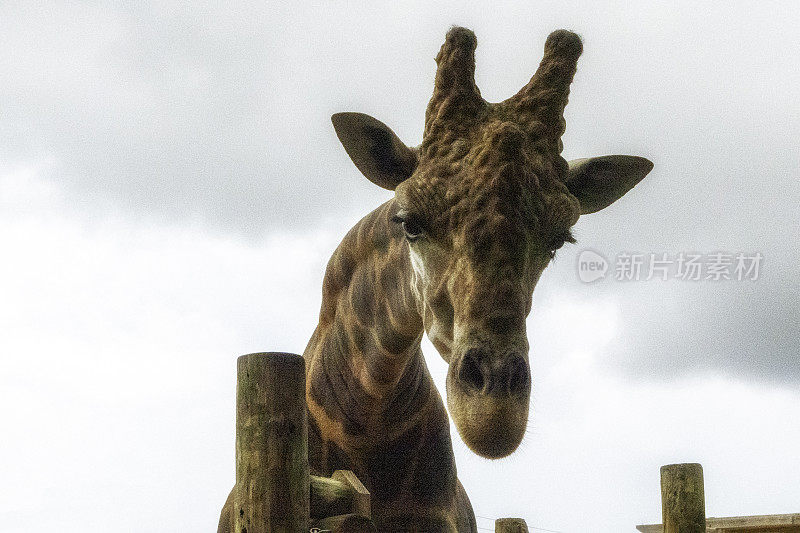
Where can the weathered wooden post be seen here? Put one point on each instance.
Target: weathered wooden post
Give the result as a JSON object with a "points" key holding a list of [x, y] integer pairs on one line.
{"points": [[683, 507], [272, 477], [510, 525]]}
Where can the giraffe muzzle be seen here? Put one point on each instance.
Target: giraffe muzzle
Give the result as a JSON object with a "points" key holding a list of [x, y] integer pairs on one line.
{"points": [[481, 372], [488, 397]]}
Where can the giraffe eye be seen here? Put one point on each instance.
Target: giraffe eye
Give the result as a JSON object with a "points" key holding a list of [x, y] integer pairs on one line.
{"points": [[558, 241], [411, 227], [413, 230]]}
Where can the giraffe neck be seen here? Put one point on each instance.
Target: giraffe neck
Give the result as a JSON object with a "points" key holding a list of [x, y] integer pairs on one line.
{"points": [[373, 407], [367, 375]]}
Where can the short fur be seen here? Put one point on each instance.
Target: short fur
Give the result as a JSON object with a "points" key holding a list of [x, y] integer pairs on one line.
{"points": [[479, 210]]}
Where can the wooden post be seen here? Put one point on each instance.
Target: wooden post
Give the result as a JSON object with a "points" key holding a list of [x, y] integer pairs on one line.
{"points": [[272, 479], [510, 525], [683, 507]]}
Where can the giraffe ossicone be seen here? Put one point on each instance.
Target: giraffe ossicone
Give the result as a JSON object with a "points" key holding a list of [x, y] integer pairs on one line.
{"points": [[479, 209]]}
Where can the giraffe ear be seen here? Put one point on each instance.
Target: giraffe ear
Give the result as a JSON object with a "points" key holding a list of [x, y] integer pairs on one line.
{"points": [[375, 149], [598, 182]]}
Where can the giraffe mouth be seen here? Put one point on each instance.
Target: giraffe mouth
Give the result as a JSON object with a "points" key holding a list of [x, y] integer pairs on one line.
{"points": [[492, 425]]}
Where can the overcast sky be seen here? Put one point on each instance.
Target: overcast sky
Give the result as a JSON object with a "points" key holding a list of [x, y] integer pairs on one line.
{"points": [[171, 189]]}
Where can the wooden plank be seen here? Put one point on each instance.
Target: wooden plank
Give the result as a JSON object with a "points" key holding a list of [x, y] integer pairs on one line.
{"points": [[361, 498], [330, 497], [340, 494], [349, 523]]}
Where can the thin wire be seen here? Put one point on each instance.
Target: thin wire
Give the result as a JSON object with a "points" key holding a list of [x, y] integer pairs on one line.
{"points": [[543, 529], [529, 527]]}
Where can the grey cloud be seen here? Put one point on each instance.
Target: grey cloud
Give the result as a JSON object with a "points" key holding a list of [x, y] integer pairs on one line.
{"points": [[676, 329], [744, 330], [179, 117], [220, 116]]}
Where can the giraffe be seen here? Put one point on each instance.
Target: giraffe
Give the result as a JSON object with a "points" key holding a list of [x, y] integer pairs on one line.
{"points": [[478, 212]]}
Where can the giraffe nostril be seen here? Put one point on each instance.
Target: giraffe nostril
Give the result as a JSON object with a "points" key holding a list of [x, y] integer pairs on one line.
{"points": [[518, 375], [469, 371]]}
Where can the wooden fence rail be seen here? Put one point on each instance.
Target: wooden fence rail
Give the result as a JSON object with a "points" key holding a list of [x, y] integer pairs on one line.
{"points": [[274, 492]]}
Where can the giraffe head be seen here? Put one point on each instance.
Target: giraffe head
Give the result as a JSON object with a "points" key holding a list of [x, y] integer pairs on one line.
{"points": [[483, 204]]}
